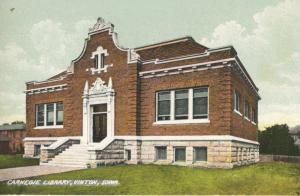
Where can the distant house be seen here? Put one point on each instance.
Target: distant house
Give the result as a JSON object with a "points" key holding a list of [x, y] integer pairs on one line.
{"points": [[295, 133], [11, 138]]}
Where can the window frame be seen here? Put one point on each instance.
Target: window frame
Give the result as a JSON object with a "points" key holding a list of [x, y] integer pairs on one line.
{"points": [[45, 126], [190, 118], [156, 153], [174, 158], [236, 94], [247, 110], [194, 154]]}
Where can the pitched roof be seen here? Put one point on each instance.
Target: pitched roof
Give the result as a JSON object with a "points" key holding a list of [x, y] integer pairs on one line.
{"points": [[295, 130], [12, 127], [58, 75], [172, 48]]}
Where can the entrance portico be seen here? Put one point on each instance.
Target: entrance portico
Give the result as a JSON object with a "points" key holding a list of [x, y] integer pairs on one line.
{"points": [[98, 111]]}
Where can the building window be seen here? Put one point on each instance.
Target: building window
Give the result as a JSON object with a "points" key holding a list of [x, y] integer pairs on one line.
{"points": [[181, 104], [200, 154], [237, 99], [161, 152], [200, 103], [59, 113], [52, 112], [99, 61], [179, 154], [37, 150], [184, 105], [247, 109], [40, 114], [163, 106], [254, 115], [128, 155]]}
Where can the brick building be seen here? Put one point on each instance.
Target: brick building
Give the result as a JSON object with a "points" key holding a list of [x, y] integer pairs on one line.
{"points": [[11, 138], [174, 102]]}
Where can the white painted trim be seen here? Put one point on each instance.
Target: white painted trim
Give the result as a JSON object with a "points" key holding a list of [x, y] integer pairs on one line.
{"points": [[188, 121], [188, 138], [49, 127], [185, 66], [46, 89], [238, 112], [49, 138], [47, 81]]}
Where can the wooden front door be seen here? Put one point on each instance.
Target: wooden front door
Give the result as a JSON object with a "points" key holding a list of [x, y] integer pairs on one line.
{"points": [[99, 127]]}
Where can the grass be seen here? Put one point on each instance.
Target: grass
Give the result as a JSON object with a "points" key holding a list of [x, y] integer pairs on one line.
{"points": [[8, 161], [263, 178]]}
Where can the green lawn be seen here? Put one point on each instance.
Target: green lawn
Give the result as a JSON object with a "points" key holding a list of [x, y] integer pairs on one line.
{"points": [[7, 161], [267, 178]]}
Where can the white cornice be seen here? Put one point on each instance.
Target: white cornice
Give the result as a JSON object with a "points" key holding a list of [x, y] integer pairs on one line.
{"points": [[46, 89]]}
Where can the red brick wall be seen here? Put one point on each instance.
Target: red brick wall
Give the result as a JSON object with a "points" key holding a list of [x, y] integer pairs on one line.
{"points": [[15, 140], [241, 127], [135, 97]]}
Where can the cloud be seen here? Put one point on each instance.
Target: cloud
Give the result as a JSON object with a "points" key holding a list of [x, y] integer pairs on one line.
{"points": [[271, 53], [53, 46]]}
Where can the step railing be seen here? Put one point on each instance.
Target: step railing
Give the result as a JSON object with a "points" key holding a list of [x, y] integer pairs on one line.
{"points": [[49, 152]]}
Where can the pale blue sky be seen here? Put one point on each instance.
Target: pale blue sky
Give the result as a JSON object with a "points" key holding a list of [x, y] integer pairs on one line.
{"points": [[40, 38]]}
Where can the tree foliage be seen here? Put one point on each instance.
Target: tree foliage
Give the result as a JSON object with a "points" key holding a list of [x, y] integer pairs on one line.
{"points": [[277, 140]]}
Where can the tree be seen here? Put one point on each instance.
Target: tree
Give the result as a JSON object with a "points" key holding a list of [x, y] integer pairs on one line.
{"points": [[277, 140]]}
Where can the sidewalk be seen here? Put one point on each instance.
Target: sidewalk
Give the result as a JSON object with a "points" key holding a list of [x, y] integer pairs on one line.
{"points": [[31, 171]]}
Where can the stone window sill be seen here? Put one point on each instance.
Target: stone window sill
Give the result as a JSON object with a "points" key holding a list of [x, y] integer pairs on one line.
{"points": [[171, 122], [50, 127], [237, 112]]}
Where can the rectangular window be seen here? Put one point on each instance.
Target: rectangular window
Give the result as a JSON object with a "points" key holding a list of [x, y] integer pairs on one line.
{"points": [[96, 61], [200, 154], [50, 114], [59, 113], [254, 115], [200, 103], [128, 155], [179, 154], [161, 152], [237, 99], [102, 61], [37, 150], [247, 109], [40, 115], [181, 104], [163, 106]]}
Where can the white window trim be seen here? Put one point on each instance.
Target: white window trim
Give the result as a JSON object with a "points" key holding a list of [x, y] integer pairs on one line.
{"points": [[190, 119], [45, 126], [234, 104], [238, 112]]}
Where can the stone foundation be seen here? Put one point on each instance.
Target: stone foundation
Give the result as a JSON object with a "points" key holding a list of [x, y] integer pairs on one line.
{"points": [[29, 146], [220, 154]]}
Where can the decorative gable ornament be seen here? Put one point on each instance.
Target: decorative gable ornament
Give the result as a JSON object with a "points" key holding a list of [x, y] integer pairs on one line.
{"points": [[98, 87], [100, 25]]}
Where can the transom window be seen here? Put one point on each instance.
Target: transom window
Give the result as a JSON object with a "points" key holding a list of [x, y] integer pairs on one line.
{"points": [[50, 114], [182, 105]]}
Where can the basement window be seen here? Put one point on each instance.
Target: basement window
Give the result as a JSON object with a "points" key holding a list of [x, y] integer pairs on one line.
{"points": [[179, 155], [161, 153], [200, 154]]}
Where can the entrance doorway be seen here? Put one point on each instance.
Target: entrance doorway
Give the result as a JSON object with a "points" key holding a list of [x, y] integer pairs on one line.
{"points": [[99, 122]]}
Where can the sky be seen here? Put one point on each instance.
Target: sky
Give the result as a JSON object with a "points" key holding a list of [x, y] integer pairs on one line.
{"points": [[40, 38]]}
